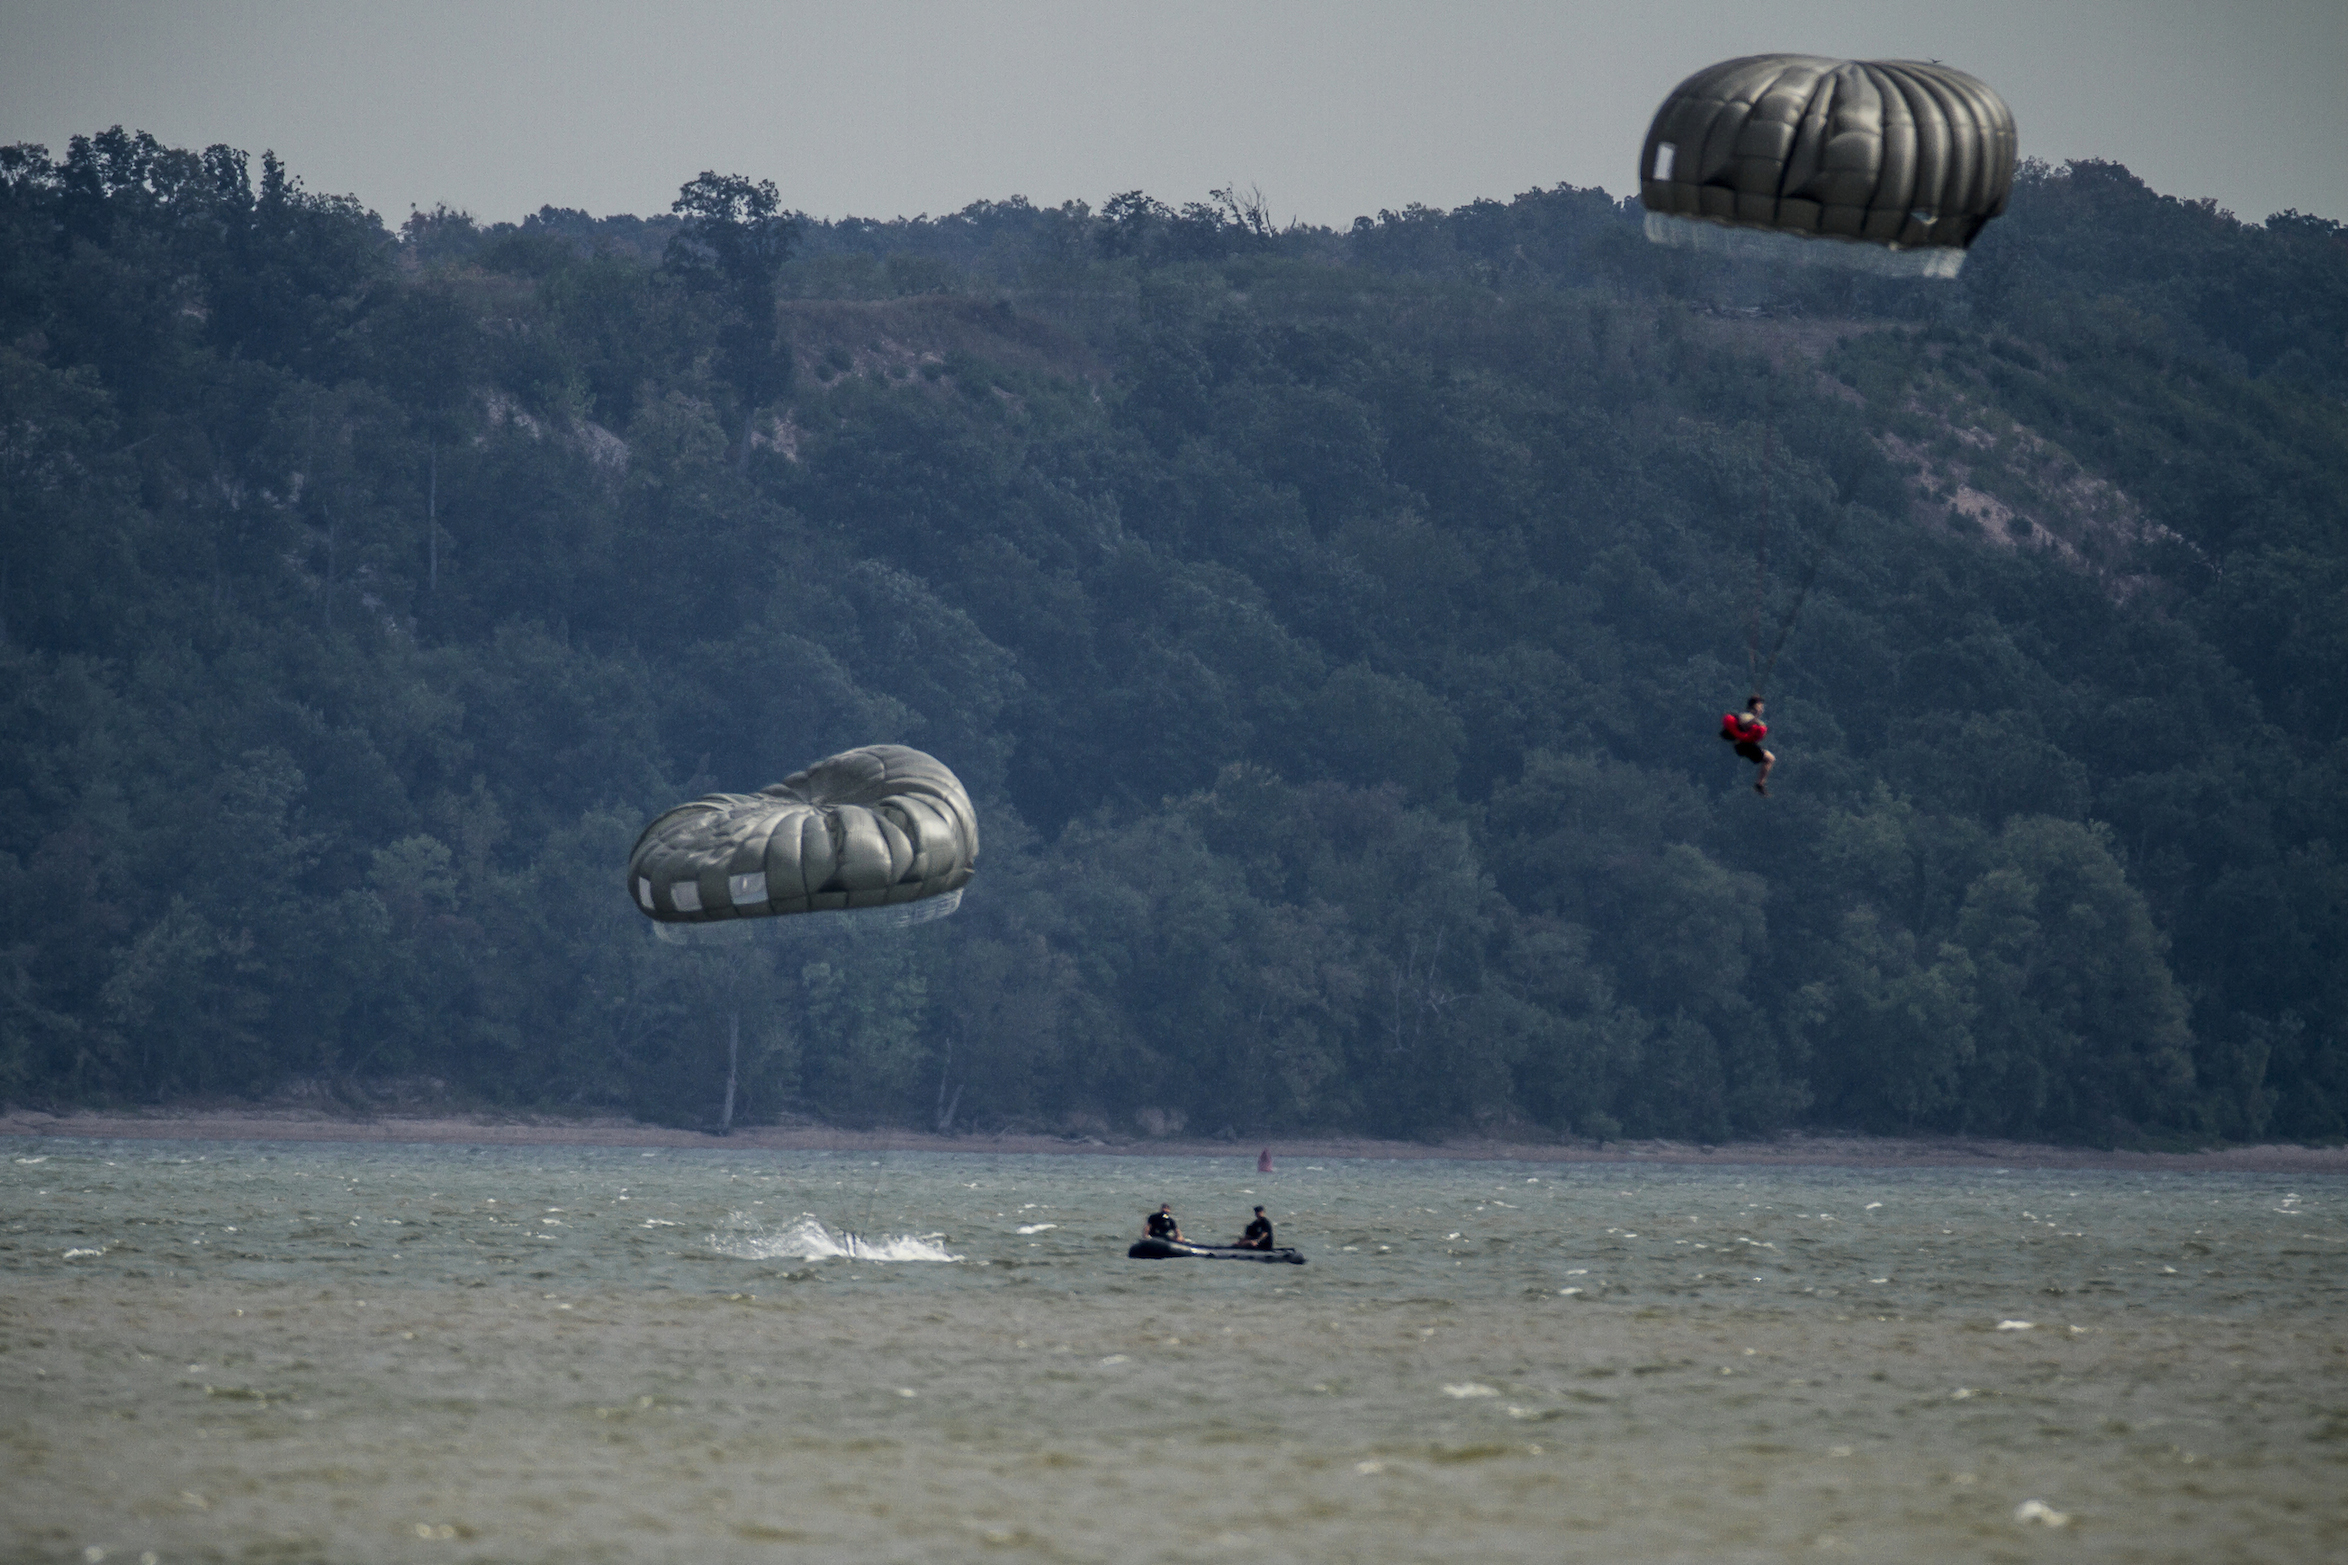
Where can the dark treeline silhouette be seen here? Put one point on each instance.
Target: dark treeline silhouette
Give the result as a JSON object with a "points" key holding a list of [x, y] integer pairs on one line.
{"points": [[1330, 625]]}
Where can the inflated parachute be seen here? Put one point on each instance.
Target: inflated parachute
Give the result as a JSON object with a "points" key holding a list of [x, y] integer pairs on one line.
{"points": [[879, 827], [1897, 165]]}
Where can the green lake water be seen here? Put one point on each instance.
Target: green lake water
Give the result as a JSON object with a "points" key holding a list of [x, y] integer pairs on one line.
{"points": [[358, 1352]]}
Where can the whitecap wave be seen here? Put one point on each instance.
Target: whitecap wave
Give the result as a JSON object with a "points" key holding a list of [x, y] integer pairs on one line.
{"points": [[745, 1238]]}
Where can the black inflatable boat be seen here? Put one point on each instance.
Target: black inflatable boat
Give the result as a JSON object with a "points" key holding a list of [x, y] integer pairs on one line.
{"points": [[1170, 1250]]}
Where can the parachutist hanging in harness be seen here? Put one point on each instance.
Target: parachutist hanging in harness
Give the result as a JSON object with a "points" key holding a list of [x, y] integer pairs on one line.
{"points": [[1745, 730], [1886, 166]]}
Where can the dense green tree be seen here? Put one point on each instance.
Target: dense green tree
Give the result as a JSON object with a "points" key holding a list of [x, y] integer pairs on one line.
{"points": [[1328, 623], [732, 243]]}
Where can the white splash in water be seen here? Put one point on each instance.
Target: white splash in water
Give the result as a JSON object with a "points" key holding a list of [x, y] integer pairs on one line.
{"points": [[745, 1238]]}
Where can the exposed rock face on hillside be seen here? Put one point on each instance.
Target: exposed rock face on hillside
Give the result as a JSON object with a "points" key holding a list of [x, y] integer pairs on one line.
{"points": [[2011, 488], [1972, 469], [929, 339]]}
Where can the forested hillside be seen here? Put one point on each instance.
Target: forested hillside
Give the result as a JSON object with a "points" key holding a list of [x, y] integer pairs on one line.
{"points": [[1331, 627]]}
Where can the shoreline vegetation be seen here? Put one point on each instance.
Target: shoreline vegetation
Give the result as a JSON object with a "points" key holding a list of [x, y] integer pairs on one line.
{"points": [[264, 1123]]}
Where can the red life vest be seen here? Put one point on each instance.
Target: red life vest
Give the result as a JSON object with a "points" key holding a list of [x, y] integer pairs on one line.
{"points": [[1739, 728]]}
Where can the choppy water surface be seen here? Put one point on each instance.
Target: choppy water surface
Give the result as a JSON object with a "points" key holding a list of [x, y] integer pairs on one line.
{"points": [[355, 1352]]}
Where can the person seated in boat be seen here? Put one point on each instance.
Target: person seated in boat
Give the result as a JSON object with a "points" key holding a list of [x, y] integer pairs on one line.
{"points": [[1745, 730], [1258, 1235], [1161, 1225]]}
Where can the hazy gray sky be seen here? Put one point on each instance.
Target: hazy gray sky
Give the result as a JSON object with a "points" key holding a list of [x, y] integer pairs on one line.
{"points": [[1333, 109]]}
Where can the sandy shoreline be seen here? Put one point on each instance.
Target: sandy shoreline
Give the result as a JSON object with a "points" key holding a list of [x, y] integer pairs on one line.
{"points": [[1849, 1151]]}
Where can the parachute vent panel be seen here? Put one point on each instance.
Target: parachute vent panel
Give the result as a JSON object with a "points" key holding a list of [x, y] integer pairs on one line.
{"points": [[873, 827], [1893, 153]]}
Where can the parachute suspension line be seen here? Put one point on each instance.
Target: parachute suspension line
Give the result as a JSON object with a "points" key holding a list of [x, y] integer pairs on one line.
{"points": [[1809, 575], [860, 1236], [1757, 667], [1753, 674], [856, 1233]]}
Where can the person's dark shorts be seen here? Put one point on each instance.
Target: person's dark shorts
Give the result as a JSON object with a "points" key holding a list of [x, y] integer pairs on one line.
{"points": [[1751, 751]]}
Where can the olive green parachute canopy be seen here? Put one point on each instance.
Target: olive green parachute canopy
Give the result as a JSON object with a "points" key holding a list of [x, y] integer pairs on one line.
{"points": [[880, 827], [1897, 165]]}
